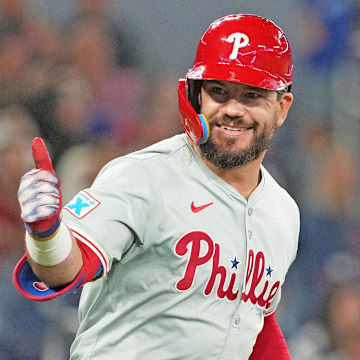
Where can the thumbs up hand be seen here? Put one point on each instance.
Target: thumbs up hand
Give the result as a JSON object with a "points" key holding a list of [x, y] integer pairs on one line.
{"points": [[39, 194]]}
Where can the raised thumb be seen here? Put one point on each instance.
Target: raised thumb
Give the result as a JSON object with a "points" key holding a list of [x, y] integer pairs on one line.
{"points": [[41, 155]]}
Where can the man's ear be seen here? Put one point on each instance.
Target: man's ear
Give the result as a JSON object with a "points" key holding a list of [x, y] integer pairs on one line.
{"points": [[284, 106]]}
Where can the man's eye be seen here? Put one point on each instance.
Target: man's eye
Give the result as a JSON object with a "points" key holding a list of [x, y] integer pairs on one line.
{"points": [[217, 91], [252, 95]]}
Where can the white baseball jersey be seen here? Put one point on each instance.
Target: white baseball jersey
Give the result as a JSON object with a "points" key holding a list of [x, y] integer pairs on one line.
{"points": [[191, 267]]}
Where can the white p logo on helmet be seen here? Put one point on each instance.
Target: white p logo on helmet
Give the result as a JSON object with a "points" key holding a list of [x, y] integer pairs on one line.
{"points": [[240, 40]]}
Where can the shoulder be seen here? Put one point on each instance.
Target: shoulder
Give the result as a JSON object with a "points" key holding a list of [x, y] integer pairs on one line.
{"points": [[279, 194], [142, 164], [284, 213], [162, 149]]}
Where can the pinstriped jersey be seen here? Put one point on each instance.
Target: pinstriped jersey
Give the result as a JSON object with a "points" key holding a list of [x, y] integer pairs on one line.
{"points": [[190, 267]]}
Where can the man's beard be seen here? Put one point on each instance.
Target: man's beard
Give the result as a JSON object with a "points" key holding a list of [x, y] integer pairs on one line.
{"points": [[226, 160]]}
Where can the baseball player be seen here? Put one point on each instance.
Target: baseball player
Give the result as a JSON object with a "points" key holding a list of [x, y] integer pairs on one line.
{"points": [[181, 248]]}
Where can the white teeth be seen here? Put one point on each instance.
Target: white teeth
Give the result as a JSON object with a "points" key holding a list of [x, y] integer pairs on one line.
{"points": [[233, 129]]}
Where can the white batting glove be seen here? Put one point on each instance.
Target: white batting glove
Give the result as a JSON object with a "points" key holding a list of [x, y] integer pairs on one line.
{"points": [[39, 194]]}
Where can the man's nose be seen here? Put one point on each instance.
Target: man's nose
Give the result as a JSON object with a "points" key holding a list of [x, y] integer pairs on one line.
{"points": [[234, 109]]}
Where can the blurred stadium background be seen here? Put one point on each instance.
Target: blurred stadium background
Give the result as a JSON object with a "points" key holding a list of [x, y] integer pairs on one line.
{"points": [[98, 78]]}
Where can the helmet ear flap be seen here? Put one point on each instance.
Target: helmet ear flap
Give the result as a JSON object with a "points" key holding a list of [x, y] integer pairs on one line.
{"points": [[195, 125]]}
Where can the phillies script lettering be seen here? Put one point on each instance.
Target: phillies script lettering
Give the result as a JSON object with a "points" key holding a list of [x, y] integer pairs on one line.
{"points": [[254, 273]]}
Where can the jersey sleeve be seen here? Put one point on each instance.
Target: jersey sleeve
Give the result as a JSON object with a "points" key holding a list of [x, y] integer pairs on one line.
{"points": [[112, 216]]}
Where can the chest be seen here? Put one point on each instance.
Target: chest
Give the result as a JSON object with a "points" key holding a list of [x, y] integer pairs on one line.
{"points": [[220, 247]]}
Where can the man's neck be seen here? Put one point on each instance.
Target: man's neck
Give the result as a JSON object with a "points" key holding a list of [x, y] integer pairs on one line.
{"points": [[243, 179]]}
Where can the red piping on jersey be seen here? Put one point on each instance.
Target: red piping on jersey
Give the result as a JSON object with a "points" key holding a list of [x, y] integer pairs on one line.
{"points": [[92, 244]]}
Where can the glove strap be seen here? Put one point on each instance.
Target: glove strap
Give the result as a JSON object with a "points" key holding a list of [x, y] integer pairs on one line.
{"points": [[45, 235]]}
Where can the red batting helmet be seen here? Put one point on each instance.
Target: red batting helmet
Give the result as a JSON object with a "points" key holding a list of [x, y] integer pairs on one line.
{"points": [[243, 48]]}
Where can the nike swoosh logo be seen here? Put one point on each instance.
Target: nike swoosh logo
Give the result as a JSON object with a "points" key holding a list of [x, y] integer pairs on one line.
{"points": [[196, 209]]}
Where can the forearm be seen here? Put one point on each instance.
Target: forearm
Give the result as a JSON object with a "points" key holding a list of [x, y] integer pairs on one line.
{"points": [[63, 273], [270, 343]]}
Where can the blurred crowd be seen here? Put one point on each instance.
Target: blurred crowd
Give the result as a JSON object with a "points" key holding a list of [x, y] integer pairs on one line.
{"points": [[81, 87]]}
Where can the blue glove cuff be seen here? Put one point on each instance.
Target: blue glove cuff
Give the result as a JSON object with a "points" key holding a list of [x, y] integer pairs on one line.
{"points": [[46, 233]]}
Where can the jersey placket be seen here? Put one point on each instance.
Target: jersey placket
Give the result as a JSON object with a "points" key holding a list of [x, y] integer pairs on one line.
{"points": [[234, 332]]}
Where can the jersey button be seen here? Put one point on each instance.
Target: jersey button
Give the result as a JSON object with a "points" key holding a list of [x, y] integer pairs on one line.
{"points": [[250, 234], [237, 321], [250, 211]]}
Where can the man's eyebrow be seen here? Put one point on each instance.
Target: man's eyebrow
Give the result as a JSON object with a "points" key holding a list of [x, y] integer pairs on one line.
{"points": [[214, 82], [247, 87], [250, 87]]}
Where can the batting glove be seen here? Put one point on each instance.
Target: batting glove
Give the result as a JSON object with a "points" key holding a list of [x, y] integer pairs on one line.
{"points": [[39, 194]]}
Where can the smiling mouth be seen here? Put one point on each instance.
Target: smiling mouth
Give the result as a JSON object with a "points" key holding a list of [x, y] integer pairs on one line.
{"points": [[232, 129]]}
